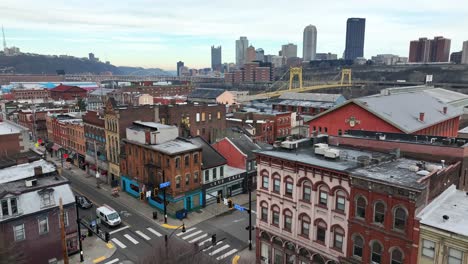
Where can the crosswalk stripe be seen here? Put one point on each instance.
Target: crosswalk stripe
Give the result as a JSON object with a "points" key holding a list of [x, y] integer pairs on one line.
{"points": [[204, 241], [143, 235], [210, 247], [131, 239], [192, 235], [227, 254], [117, 230], [112, 261], [198, 238], [154, 231], [186, 231], [218, 250], [120, 244]]}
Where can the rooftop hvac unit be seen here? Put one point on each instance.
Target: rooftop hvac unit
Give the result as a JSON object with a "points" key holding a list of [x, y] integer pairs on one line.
{"points": [[31, 183], [320, 148], [332, 153]]}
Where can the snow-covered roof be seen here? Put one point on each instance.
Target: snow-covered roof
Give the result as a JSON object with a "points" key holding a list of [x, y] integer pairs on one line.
{"points": [[24, 171], [453, 204], [231, 171], [7, 128], [174, 147]]}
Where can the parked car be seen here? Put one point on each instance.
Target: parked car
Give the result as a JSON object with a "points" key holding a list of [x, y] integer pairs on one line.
{"points": [[84, 202], [108, 215]]}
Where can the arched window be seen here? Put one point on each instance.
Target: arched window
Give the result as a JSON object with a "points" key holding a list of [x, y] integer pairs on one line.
{"points": [[321, 231], [186, 161], [361, 205], [265, 181], [177, 181], [338, 237], [399, 221], [397, 256], [379, 212], [177, 162], [376, 253], [340, 201], [288, 184], [264, 215], [323, 195], [276, 183], [305, 225], [358, 245], [306, 191], [275, 215], [287, 215]]}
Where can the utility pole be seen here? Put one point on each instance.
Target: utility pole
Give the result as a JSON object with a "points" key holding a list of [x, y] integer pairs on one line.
{"points": [[164, 197], [97, 165], [62, 232], [78, 221], [249, 186]]}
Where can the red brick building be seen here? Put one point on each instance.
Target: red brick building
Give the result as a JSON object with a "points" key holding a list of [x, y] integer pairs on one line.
{"points": [[67, 93], [14, 139], [249, 71], [396, 113], [31, 95], [238, 76], [35, 120], [228, 77], [262, 74]]}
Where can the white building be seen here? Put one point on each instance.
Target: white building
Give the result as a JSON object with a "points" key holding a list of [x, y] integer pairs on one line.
{"points": [[289, 50], [309, 48], [241, 50], [464, 59], [389, 59]]}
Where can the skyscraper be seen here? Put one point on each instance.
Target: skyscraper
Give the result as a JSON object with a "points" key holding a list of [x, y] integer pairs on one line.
{"points": [[464, 59], [355, 33], [250, 54], [216, 59], [430, 50], [309, 45], [289, 50], [259, 55], [241, 50], [180, 64]]}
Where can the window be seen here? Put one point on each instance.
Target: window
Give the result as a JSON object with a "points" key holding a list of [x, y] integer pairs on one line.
{"points": [[214, 173], [340, 203], [187, 160], [306, 193], [65, 219], [203, 116], [46, 199], [305, 226], [195, 177], [358, 244], [207, 175], [187, 179], [400, 219], [264, 216], [209, 116], [221, 171], [276, 185], [275, 215], [361, 207], [289, 188], [379, 212], [5, 207], [287, 220], [177, 180], [321, 231], [428, 249], [168, 162], [177, 163], [197, 117], [376, 254], [323, 198], [195, 158], [454, 256], [338, 237], [43, 225], [19, 232], [265, 182], [397, 257]]}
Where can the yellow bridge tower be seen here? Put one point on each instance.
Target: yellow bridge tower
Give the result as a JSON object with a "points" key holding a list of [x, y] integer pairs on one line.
{"points": [[295, 71]]}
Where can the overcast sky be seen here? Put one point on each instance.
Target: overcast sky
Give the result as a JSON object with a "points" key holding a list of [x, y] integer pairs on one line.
{"points": [[152, 33]]}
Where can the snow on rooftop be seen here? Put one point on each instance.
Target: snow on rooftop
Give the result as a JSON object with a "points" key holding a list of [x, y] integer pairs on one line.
{"points": [[7, 128], [453, 204], [153, 125], [231, 171], [24, 171], [175, 147]]}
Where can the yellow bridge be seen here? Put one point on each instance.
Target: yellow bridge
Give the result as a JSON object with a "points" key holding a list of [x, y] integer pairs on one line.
{"points": [[297, 71]]}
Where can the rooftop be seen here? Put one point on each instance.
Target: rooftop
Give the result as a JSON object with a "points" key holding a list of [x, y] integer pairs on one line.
{"points": [[8, 127], [24, 171], [318, 97], [206, 93], [153, 125], [245, 145], [175, 147], [231, 171], [304, 103], [453, 204], [210, 158]]}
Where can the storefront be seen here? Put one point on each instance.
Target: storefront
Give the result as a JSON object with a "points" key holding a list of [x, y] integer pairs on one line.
{"points": [[229, 186]]}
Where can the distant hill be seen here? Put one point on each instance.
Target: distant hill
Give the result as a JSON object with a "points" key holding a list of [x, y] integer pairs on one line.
{"points": [[49, 64]]}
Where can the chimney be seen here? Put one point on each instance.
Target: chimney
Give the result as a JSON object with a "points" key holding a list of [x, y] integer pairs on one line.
{"points": [[445, 110], [38, 171], [421, 116]]}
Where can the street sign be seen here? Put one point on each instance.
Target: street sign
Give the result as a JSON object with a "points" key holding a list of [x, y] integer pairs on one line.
{"points": [[238, 207], [164, 185]]}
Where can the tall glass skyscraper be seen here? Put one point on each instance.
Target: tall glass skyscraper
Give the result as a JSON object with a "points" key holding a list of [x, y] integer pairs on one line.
{"points": [[241, 50], [216, 59], [355, 32], [309, 45]]}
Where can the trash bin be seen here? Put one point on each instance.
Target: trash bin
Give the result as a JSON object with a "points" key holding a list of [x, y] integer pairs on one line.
{"points": [[181, 214], [155, 215]]}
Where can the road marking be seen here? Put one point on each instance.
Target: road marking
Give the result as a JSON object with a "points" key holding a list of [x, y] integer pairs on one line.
{"points": [[227, 254], [218, 250], [219, 243], [192, 235], [198, 238], [110, 246], [118, 230], [203, 242], [99, 259], [235, 259], [154, 231], [131, 239], [112, 261], [143, 235], [120, 244], [186, 231]]}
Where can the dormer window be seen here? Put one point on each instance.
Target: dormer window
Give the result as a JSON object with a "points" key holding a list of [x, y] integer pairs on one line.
{"points": [[8, 207], [47, 197]]}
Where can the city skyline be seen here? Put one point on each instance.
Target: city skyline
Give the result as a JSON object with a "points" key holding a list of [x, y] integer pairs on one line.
{"points": [[158, 35]]}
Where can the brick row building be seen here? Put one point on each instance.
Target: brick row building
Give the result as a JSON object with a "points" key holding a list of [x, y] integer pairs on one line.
{"points": [[31, 95]]}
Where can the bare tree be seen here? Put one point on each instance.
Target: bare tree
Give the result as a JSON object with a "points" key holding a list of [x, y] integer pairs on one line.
{"points": [[178, 252]]}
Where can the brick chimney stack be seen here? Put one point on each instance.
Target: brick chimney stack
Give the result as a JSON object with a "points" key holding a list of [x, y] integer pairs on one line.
{"points": [[421, 117]]}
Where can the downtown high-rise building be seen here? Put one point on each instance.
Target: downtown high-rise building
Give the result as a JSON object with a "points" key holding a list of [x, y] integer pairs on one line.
{"points": [[309, 47], [180, 64], [430, 50], [289, 50], [216, 59], [260, 55], [355, 34], [241, 50], [464, 58], [250, 54]]}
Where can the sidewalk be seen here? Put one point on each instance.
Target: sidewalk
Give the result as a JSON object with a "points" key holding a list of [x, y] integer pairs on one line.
{"points": [[94, 251], [144, 209], [245, 256]]}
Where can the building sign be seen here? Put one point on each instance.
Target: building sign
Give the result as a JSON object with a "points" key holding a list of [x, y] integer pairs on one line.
{"points": [[223, 181], [352, 121]]}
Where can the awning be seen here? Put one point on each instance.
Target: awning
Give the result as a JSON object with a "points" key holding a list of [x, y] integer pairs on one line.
{"points": [[56, 147], [92, 167]]}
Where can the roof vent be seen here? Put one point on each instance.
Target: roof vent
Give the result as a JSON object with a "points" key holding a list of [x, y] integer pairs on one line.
{"points": [[444, 110], [421, 116], [445, 217]]}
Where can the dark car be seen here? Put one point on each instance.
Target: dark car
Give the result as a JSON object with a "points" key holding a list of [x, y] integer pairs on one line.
{"points": [[84, 202]]}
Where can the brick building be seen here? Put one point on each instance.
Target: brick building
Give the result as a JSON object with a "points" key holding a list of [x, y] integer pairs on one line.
{"points": [[29, 219], [160, 90], [67, 93], [14, 139], [378, 113], [35, 120], [430, 50], [167, 100], [31, 95], [238, 76], [204, 95], [95, 135], [262, 74], [228, 77], [154, 154], [249, 71]]}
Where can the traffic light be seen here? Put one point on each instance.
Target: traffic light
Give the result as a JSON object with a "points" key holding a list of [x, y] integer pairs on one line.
{"points": [[183, 228], [142, 196], [213, 239], [107, 237], [230, 204]]}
